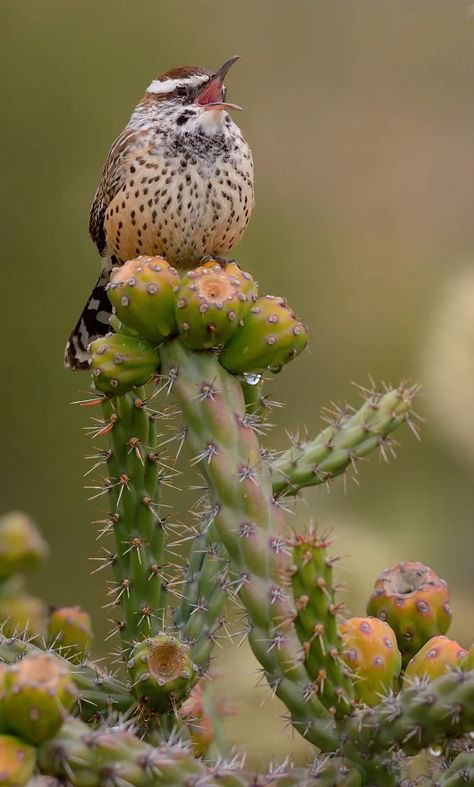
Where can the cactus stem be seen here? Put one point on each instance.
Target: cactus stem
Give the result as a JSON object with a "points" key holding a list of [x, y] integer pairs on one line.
{"points": [[349, 437]]}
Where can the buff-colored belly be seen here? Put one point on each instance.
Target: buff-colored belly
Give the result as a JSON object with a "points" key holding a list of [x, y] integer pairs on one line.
{"points": [[180, 215]]}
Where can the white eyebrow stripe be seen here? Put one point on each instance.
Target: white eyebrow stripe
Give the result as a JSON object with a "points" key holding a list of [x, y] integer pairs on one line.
{"points": [[168, 85]]}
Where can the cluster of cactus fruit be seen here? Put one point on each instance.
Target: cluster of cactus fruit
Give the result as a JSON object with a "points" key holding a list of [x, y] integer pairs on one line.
{"points": [[369, 693], [210, 308]]}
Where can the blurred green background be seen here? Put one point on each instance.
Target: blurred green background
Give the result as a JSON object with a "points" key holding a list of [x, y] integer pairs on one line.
{"points": [[360, 114]]}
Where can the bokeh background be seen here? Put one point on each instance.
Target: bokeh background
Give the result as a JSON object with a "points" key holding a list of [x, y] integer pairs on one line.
{"points": [[360, 114]]}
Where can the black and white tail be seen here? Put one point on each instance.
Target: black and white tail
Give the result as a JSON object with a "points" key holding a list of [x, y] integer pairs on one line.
{"points": [[93, 322]]}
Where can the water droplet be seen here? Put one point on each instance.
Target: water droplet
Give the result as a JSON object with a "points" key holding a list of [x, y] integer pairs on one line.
{"points": [[252, 379], [436, 751]]}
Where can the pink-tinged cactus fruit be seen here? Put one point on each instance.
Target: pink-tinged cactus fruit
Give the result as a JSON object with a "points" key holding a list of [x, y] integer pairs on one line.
{"points": [[414, 601], [38, 693], [210, 304], [370, 651], [435, 658]]}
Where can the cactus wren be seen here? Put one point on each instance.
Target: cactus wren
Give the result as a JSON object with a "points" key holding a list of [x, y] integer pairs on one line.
{"points": [[177, 182]]}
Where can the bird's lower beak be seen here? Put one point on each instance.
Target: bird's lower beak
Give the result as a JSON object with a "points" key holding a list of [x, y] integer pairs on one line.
{"points": [[211, 96], [223, 105]]}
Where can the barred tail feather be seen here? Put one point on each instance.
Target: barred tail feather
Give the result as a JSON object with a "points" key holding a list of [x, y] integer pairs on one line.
{"points": [[93, 322]]}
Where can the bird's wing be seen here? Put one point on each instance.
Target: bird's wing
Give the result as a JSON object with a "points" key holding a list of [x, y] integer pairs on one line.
{"points": [[114, 175]]}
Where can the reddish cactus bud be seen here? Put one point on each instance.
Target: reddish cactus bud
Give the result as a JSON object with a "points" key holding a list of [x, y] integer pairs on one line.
{"points": [[435, 658], [119, 363], [17, 761], [70, 631], [210, 303], [371, 652], [38, 692], [22, 547], [143, 294], [414, 601], [198, 721], [161, 671], [271, 335]]}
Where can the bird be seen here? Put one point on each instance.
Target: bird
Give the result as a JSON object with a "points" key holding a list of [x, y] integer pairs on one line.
{"points": [[177, 183]]}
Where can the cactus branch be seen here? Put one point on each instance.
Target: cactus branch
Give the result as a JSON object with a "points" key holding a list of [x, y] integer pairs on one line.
{"points": [[417, 717], [137, 526], [229, 455], [198, 617], [350, 436], [461, 771], [316, 623], [115, 756]]}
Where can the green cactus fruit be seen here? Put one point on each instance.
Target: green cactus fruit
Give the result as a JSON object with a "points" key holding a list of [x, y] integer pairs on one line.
{"points": [[22, 547], [143, 294], [468, 660], [271, 335], [435, 658], [414, 601], [370, 650], [161, 671], [39, 691], [17, 761], [210, 303], [23, 613], [118, 326], [119, 363], [70, 631]]}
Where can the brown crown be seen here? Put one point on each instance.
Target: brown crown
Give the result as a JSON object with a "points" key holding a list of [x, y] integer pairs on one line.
{"points": [[183, 72]]}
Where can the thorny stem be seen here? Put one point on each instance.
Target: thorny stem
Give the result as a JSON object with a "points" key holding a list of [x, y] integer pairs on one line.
{"points": [[134, 491], [349, 437], [229, 455]]}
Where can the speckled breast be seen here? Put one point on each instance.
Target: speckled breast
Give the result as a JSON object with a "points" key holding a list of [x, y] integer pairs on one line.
{"points": [[181, 207]]}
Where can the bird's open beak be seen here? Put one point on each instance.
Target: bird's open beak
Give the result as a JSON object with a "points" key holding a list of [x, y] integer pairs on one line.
{"points": [[212, 94]]}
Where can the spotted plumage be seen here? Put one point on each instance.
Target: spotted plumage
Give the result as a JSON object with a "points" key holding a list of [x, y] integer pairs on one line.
{"points": [[177, 182]]}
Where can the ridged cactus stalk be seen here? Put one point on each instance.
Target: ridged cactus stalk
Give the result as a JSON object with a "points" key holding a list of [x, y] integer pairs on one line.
{"points": [[179, 381]]}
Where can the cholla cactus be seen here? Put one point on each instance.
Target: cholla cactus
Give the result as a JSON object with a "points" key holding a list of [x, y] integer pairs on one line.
{"points": [[206, 342]]}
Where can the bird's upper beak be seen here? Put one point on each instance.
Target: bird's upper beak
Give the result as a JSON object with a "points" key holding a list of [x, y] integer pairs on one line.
{"points": [[211, 96]]}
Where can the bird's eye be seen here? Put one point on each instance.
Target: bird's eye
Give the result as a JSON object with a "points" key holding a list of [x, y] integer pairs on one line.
{"points": [[181, 91]]}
